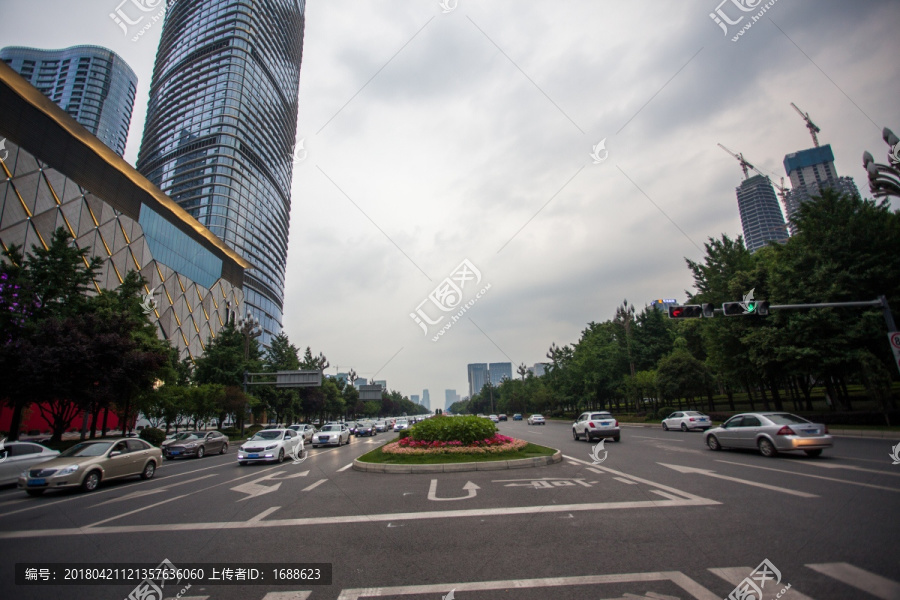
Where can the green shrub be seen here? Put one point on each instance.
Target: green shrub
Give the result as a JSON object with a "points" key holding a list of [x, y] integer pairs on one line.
{"points": [[664, 412], [449, 429], [404, 433], [254, 428], [152, 435]]}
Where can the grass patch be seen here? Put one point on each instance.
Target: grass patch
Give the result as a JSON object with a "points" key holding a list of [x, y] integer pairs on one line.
{"points": [[379, 457]]}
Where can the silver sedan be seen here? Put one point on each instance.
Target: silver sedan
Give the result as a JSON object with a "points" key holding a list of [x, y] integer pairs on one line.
{"points": [[771, 433], [16, 457]]}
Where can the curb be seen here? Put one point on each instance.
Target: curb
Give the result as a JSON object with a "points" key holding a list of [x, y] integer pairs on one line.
{"points": [[499, 465]]}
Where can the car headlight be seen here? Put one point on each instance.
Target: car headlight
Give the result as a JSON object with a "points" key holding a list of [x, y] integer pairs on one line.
{"points": [[191, 445], [24, 473], [67, 470], [272, 447]]}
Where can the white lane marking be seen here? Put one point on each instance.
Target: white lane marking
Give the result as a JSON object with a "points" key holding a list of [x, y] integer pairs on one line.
{"points": [[263, 514], [697, 591], [683, 469], [137, 510], [314, 486], [342, 469], [286, 596], [150, 492], [657, 439], [664, 494], [470, 488], [868, 485], [735, 575], [672, 490], [818, 463], [878, 586], [593, 470], [352, 519], [623, 480]]}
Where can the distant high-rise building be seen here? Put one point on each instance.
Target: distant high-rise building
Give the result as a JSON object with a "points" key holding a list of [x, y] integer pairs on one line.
{"points": [[812, 171], [761, 216], [381, 382], [450, 396], [414, 398], [539, 369], [478, 376], [499, 372], [426, 399], [345, 377], [220, 130], [94, 85], [360, 381]]}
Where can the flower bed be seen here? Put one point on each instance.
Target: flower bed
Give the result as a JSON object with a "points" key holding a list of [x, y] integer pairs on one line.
{"points": [[492, 445]]}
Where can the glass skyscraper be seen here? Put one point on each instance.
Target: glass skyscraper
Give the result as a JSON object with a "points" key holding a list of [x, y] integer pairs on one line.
{"points": [[761, 216], [92, 84], [219, 134]]}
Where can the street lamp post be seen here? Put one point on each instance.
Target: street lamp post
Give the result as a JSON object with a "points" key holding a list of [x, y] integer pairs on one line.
{"points": [[248, 326]]}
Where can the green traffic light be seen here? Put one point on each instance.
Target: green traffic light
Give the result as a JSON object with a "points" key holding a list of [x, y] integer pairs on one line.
{"points": [[751, 307]]}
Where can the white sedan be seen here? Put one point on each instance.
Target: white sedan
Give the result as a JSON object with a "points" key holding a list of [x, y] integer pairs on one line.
{"points": [[271, 445], [333, 434], [401, 424], [536, 420], [16, 457], [687, 420]]}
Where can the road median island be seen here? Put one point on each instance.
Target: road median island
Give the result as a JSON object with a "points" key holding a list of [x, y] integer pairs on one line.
{"points": [[438, 460]]}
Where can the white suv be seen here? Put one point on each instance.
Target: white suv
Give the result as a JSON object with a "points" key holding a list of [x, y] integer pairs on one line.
{"points": [[596, 425]]}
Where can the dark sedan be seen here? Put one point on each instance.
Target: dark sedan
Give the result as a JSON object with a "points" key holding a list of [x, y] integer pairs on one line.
{"points": [[197, 444], [366, 428]]}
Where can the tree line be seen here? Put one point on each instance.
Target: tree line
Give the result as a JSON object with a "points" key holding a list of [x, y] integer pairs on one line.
{"points": [[78, 353], [846, 249]]}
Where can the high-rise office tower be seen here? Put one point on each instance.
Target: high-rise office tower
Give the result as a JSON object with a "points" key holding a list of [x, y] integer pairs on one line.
{"points": [[499, 372], [220, 128], [761, 216], [811, 171], [450, 396], [414, 398], [92, 84], [426, 399], [478, 376]]}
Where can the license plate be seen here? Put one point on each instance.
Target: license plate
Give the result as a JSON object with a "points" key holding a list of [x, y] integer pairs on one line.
{"points": [[702, 419], [253, 456], [37, 482], [175, 452], [605, 424], [812, 431]]}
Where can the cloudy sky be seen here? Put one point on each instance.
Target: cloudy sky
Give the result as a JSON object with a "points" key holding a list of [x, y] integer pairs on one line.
{"points": [[436, 137]]}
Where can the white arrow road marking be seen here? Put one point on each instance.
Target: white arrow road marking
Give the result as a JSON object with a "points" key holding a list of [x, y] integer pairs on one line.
{"points": [[735, 575], [683, 469], [868, 485], [470, 488], [253, 489], [878, 586]]}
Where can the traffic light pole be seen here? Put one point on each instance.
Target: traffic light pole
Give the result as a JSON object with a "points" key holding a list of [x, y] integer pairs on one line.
{"points": [[881, 303]]}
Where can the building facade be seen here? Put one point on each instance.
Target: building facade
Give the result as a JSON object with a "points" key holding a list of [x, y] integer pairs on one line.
{"points": [[478, 376], [450, 396], [220, 129], [93, 85], [498, 372], [812, 171], [761, 216], [426, 399]]}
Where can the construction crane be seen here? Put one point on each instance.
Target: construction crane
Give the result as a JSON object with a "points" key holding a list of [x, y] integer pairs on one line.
{"points": [[813, 128], [744, 163]]}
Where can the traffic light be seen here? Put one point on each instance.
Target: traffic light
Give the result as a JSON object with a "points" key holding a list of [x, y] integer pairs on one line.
{"points": [[751, 307], [709, 311], [689, 311]]}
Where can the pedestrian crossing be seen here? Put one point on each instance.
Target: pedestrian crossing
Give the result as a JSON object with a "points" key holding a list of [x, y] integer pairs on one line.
{"points": [[871, 584]]}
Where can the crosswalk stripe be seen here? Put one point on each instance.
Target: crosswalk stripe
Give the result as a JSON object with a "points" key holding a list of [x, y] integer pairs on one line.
{"points": [[878, 586], [735, 575], [286, 596]]}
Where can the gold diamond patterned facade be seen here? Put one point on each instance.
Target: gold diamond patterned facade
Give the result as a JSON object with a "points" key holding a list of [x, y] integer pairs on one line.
{"points": [[35, 199]]}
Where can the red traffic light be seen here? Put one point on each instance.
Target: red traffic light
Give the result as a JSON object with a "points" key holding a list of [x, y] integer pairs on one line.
{"points": [[689, 311]]}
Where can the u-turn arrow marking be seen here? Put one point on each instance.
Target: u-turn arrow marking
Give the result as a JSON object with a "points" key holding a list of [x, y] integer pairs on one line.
{"points": [[470, 488]]}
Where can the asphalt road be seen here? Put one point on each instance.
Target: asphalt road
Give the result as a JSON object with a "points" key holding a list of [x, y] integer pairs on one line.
{"points": [[660, 517]]}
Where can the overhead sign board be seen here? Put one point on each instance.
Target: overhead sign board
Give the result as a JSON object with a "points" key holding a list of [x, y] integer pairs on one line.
{"points": [[370, 392], [292, 379]]}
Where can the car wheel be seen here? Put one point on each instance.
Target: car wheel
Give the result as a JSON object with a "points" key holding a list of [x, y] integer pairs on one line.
{"points": [[168, 457], [201, 452], [281, 455], [149, 470], [683, 427], [242, 462], [665, 427], [713, 442], [315, 446], [35, 492], [617, 438], [91, 481], [587, 436], [813, 453], [574, 434], [767, 448]]}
